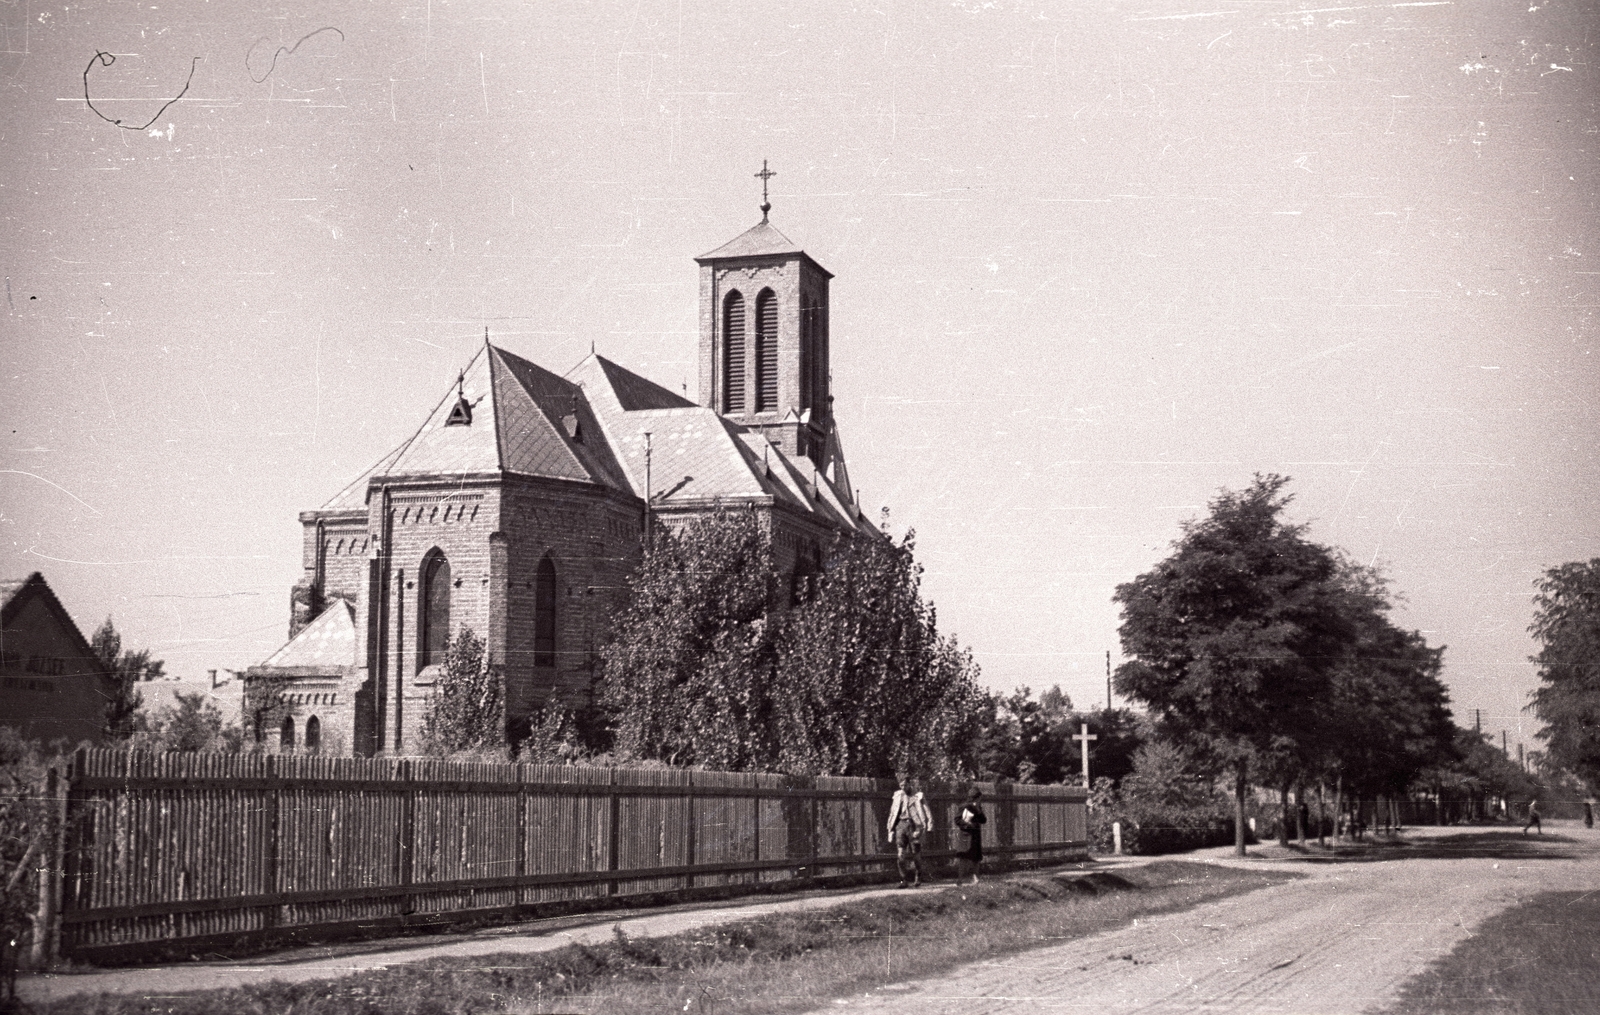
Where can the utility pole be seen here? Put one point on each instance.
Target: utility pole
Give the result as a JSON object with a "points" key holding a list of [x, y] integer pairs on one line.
{"points": [[1505, 748], [648, 542], [1477, 721], [1108, 680]]}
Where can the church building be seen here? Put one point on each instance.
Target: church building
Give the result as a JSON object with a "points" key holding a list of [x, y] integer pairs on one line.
{"points": [[519, 506]]}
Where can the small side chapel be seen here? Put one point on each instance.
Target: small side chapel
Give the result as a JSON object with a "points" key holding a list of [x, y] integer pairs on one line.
{"points": [[519, 506]]}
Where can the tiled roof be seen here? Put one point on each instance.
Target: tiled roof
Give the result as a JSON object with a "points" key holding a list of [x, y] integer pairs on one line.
{"points": [[760, 240], [437, 448], [330, 640], [520, 426], [697, 454], [634, 392], [529, 405]]}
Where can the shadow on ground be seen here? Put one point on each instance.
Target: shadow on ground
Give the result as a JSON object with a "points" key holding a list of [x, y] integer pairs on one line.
{"points": [[1495, 845]]}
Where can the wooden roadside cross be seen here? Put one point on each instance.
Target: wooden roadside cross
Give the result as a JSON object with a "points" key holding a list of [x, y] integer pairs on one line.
{"points": [[1085, 737]]}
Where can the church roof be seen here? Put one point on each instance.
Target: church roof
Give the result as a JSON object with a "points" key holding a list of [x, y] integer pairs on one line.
{"points": [[590, 427], [517, 425], [698, 455], [328, 641], [760, 240]]}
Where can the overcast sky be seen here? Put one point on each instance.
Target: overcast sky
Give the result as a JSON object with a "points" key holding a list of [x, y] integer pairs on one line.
{"points": [[1094, 262]]}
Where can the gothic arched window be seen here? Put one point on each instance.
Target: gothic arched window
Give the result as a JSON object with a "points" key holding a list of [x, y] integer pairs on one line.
{"points": [[433, 627], [286, 734], [766, 351], [313, 735], [544, 614], [733, 353]]}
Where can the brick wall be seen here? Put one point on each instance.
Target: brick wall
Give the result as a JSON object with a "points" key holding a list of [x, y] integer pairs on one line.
{"points": [[592, 538]]}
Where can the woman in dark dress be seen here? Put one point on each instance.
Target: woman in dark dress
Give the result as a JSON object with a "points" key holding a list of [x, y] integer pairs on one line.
{"points": [[971, 824]]}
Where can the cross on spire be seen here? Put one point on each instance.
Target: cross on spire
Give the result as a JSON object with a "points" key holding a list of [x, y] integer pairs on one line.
{"points": [[765, 175]]}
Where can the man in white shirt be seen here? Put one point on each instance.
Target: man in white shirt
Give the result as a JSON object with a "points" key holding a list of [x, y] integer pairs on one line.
{"points": [[909, 818]]}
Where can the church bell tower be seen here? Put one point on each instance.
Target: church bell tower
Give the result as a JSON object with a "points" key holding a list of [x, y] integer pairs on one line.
{"points": [[764, 337]]}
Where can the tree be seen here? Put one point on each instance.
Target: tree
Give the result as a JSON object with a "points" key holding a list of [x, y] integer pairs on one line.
{"points": [[866, 684], [193, 723], [1566, 621], [1389, 709], [702, 668], [684, 670], [128, 670], [1232, 639], [467, 709]]}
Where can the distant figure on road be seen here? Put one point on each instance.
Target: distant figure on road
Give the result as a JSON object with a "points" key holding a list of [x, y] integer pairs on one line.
{"points": [[1533, 818], [908, 820], [1588, 813], [1353, 825], [971, 822]]}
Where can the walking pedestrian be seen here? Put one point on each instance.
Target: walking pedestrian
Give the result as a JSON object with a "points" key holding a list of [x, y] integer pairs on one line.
{"points": [[971, 822], [909, 818], [1533, 818]]}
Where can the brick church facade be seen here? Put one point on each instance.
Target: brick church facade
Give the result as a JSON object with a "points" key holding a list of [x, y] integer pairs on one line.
{"points": [[518, 507]]}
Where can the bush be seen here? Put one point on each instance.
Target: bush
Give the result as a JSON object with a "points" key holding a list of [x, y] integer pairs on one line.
{"points": [[1155, 833], [25, 831], [1164, 807]]}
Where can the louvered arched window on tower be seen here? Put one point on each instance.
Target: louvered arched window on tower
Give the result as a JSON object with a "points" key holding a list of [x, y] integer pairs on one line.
{"points": [[766, 351], [733, 353]]}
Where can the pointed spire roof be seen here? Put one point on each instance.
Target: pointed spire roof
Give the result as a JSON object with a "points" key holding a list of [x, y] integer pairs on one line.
{"points": [[760, 240]]}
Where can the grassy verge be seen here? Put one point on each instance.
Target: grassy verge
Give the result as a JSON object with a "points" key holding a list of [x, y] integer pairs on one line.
{"points": [[776, 963], [1539, 958]]}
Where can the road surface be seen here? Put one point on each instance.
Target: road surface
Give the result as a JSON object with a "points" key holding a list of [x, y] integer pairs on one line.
{"points": [[1342, 941]]}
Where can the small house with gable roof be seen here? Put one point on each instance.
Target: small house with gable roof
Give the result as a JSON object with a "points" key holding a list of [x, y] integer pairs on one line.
{"points": [[52, 685]]}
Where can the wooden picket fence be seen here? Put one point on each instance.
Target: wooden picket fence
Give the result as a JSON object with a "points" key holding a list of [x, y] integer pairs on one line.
{"points": [[166, 852]]}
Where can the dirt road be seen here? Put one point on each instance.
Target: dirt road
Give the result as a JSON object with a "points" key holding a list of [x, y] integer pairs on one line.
{"points": [[1341, 941]]}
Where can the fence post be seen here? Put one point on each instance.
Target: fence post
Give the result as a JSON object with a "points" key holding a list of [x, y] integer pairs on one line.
{"points": [[271, 879], [522, 830], [816, 831], [755, 827], [688, 829], [47, 922], [408, 836], [1116, 837], [614, 846]]}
